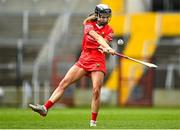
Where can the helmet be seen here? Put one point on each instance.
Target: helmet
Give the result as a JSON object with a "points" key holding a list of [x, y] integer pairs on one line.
{"points": [[103, 9]]}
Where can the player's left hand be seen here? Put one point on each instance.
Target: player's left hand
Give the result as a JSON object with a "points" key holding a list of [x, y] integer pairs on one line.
{"points": [[101, 49], [106, 50]]}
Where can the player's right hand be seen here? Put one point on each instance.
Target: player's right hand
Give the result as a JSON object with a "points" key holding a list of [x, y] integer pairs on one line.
{"points": [[111, 51]]}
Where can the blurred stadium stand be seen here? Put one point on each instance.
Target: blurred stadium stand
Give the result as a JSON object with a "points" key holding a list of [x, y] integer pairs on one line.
{"points": [[30, 26], [41, 39], [166, 5], [167, 57]]}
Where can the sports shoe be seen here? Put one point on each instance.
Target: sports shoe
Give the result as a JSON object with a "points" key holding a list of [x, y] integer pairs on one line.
{"points": [[39, 109], [92, 123]]}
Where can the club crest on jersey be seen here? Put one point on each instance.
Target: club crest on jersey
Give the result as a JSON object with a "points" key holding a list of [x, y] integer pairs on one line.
{"points": [[97, 64]]}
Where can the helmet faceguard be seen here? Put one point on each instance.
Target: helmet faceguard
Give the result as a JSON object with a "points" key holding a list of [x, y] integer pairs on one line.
{"points": [[103, 11]]}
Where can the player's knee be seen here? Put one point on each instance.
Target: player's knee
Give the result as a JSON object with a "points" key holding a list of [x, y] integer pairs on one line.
{"points": [[61, 88], [96, 93], [63, 84]]}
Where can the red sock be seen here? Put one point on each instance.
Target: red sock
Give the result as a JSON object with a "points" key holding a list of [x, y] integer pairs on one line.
{"points": [[48, 104], [93, 116]]}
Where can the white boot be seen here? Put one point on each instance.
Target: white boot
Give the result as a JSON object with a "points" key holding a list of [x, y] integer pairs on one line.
{"points": [[92, 123]]}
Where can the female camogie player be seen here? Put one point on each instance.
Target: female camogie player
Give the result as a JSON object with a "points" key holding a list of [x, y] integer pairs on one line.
{"points": [[97, 36]]}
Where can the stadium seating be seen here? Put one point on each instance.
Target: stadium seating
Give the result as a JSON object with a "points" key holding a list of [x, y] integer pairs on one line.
{"points": [[41, 21], [146, 40]]}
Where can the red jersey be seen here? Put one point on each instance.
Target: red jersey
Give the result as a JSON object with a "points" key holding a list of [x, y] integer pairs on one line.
{"points": [[91, 59]]}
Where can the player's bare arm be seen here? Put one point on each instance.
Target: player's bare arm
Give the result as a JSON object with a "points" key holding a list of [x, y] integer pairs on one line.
{"points": [[104, 46], [103, 49]]}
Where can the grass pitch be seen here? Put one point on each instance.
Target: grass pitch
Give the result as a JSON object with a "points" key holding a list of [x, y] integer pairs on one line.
{"points": [[78, 118]]}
